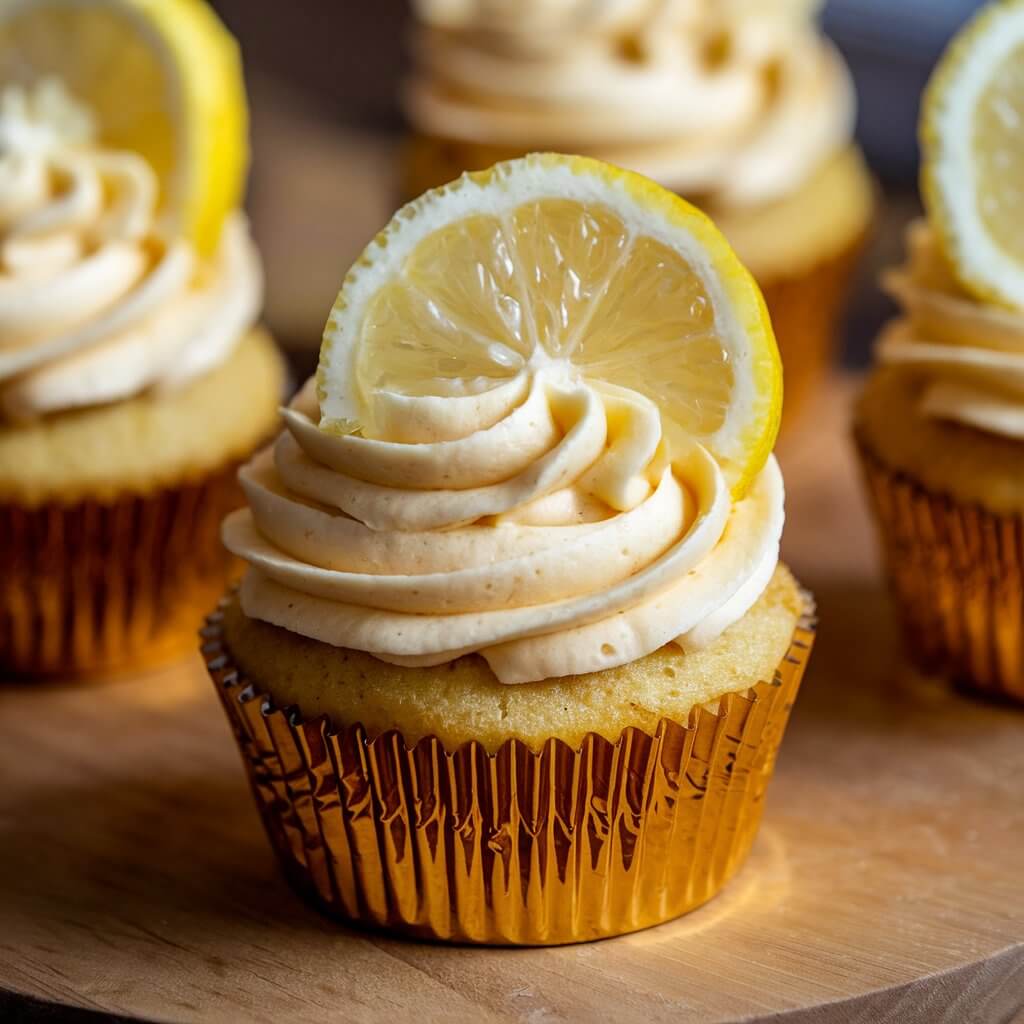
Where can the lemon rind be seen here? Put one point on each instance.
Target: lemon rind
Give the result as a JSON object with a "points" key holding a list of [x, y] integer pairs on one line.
{"points": [[206, 97], [649, 209], [948, 180]]}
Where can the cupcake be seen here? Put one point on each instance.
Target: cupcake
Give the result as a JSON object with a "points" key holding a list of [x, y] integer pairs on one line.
{"points": [[940, 425], [743, 108], [514, 653], [134, 376]]}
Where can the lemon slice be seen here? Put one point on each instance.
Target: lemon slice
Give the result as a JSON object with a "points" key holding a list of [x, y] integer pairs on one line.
{"points": [[558, 259], [972, 139], [161, 77]]}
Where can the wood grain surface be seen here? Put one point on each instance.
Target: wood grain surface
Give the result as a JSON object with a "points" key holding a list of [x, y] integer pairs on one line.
{"points": [[887, 883]]}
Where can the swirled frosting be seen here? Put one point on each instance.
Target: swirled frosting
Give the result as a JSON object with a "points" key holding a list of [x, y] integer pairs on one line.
{"points": [[97, 302], [735, 99], [542, 524], [970, 354]]}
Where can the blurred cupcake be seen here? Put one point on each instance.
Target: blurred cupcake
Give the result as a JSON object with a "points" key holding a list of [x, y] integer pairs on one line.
{"points": [[941, 422], [133, 375], [515, 652], [743, 108]]}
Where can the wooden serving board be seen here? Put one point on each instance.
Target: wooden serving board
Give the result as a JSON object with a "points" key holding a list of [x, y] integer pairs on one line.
{"points": [[887, 883]]}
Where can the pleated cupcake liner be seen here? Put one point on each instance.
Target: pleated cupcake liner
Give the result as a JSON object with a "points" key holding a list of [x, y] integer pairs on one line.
{"points": [[806, 311], [518, 847], [956, 571], [96, 587]]}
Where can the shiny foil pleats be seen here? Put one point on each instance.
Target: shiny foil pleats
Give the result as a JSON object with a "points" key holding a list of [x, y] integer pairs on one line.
{"points": [[518, 847], [956, 571], [93, 587], [806, 310]]}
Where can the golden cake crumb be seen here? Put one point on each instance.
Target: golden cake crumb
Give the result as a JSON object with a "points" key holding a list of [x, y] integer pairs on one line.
{"points": [[462, 700], [151, 441], [949, 458]]}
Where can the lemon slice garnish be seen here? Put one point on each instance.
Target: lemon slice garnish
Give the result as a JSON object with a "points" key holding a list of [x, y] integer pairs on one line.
{"points": [[162, 78], [566, 261], [972, 140]]}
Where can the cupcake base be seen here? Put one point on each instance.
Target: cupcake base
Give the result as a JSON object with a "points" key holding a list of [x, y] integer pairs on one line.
{"points": [[110, 551], [956, 571], [519, 847], [97, 587]]}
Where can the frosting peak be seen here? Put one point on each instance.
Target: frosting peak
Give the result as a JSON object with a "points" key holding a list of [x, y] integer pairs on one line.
{"points": [[969, 354], [96, 302], [43, 119], [737, 99], [544, 525]]}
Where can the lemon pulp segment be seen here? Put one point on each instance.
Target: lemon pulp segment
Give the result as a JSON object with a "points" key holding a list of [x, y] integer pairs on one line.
{"points": [[972, 140], [161, 78], [559, 260], [999, 147]]}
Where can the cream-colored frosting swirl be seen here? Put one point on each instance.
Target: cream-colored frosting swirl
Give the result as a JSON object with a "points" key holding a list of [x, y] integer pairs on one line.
{"points": [[542, 524], [97, 303], [969, 353], [741, 100]]}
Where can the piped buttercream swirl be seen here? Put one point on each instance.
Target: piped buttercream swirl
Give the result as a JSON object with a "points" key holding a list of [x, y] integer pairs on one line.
{"points": [[969, 354], [737, 100], [543, 525], [97, 302]]}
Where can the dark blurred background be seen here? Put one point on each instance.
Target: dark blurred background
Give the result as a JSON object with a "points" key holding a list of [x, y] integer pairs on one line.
{"points": [[324, 77]]}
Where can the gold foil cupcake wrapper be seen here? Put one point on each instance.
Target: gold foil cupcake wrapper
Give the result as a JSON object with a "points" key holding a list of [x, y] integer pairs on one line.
{"points": [[94, 587], [806, 311], [519, 847], [956, 571]]}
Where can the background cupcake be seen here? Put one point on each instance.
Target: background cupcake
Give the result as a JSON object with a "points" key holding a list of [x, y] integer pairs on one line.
{"points": [[743, 108], [133, 376], [520, 551], [941, 422]]}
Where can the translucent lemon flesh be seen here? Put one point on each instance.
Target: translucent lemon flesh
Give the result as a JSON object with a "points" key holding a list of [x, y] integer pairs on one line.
{"points": [[31, 45], [161, 78], [477, 300], [972, 140], [999, 152], [559, 260]]}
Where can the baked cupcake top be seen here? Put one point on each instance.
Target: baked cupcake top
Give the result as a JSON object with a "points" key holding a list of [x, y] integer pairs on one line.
{"points": [[962, 291], [125, 263], [547, 399], [737, 101]]}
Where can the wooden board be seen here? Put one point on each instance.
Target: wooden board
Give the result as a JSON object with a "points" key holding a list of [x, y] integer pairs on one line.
{"points": [[887, 882]]}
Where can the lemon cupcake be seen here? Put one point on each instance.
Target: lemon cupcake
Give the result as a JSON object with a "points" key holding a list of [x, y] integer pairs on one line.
{"points": [[133, 374], [743, 108], [515, 652], [941, 422]]}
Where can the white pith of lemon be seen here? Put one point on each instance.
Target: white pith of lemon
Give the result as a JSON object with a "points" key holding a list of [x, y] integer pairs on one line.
{"points": [[566, 260], [972, 142], [162, 78]]}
